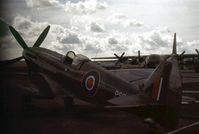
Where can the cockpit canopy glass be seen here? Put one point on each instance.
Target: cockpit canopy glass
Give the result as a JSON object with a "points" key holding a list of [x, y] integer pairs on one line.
{"points": [[71, 54], [76, 60], [79, 59], [68, 58]]}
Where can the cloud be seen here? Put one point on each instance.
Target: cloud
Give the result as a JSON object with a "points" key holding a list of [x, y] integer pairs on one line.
{"points": [[96, 27], [28, 29], [155, 41], [87, 23], [84, 7], [41, 3], [121, 19], [3, 28], [133, 23], [63, 39], [92, 48], [193, 43], [190, 46], [157, 37], [70, 39], [112, 40]]}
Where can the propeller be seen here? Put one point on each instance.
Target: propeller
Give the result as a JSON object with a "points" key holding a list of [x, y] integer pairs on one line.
{"points": [[120, 58], [23, 44]]}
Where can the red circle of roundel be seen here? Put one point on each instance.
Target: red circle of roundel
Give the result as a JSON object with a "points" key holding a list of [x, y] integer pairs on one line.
{"points": [[90, 83]]}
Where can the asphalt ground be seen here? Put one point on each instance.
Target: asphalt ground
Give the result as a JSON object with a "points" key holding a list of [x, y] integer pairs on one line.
{"points": [[49, 115]]}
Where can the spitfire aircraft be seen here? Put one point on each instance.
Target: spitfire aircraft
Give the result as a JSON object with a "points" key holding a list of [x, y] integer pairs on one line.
{"points": [[158, 97]]}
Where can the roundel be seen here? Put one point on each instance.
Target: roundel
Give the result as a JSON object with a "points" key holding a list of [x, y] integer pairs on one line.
{"points": [[90, 83]]}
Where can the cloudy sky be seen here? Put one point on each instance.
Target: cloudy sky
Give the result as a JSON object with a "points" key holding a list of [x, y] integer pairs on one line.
{"points": [[103, 27]]}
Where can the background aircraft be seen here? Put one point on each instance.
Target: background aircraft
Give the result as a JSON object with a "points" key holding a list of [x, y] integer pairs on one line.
{"points": [[148, 61], [158, 97]]}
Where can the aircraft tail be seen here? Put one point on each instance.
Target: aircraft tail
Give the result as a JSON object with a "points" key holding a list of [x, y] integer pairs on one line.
{"points": [[174, 51], [164, 88], [22, 42]]}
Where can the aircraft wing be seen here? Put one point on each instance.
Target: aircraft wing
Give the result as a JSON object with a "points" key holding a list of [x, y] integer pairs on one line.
{"points": [[190, 55], [35, 84], [52, 88], [143, 107], [128, 57], [133, 75]]}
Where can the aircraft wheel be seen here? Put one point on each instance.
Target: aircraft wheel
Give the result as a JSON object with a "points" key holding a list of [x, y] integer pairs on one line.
{"points": [[152, 125], [68, 104]]}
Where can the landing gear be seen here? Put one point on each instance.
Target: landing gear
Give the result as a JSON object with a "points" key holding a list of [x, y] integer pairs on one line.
{"points": [[152, 125], [68, 104]]}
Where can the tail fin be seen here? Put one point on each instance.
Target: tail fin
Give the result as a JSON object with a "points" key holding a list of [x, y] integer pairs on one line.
{"points": [[174, 51], [165, 78], [22, 42], [159, 81], [164, 88]]}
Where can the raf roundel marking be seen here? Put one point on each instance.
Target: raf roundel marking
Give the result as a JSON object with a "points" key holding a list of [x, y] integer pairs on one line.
{"points": [[90, 83]]}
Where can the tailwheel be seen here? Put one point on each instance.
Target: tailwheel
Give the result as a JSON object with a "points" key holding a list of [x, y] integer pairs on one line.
{"points": [[68, 104], [152, 125]]}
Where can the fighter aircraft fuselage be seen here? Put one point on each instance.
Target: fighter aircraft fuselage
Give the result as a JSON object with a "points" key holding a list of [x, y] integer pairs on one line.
{"points": [[86, 80]]}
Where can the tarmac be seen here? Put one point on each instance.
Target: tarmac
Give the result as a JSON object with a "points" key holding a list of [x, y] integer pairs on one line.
{"points": [[49, 115]]}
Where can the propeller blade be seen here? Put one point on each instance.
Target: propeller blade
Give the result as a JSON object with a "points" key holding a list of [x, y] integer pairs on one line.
{"points": [[116, 56], [42, 37], [18, 38], [121, 58], [117, 62], [122, 55], [9, 62], [182, 53], [180, 57], [197, 51]]}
